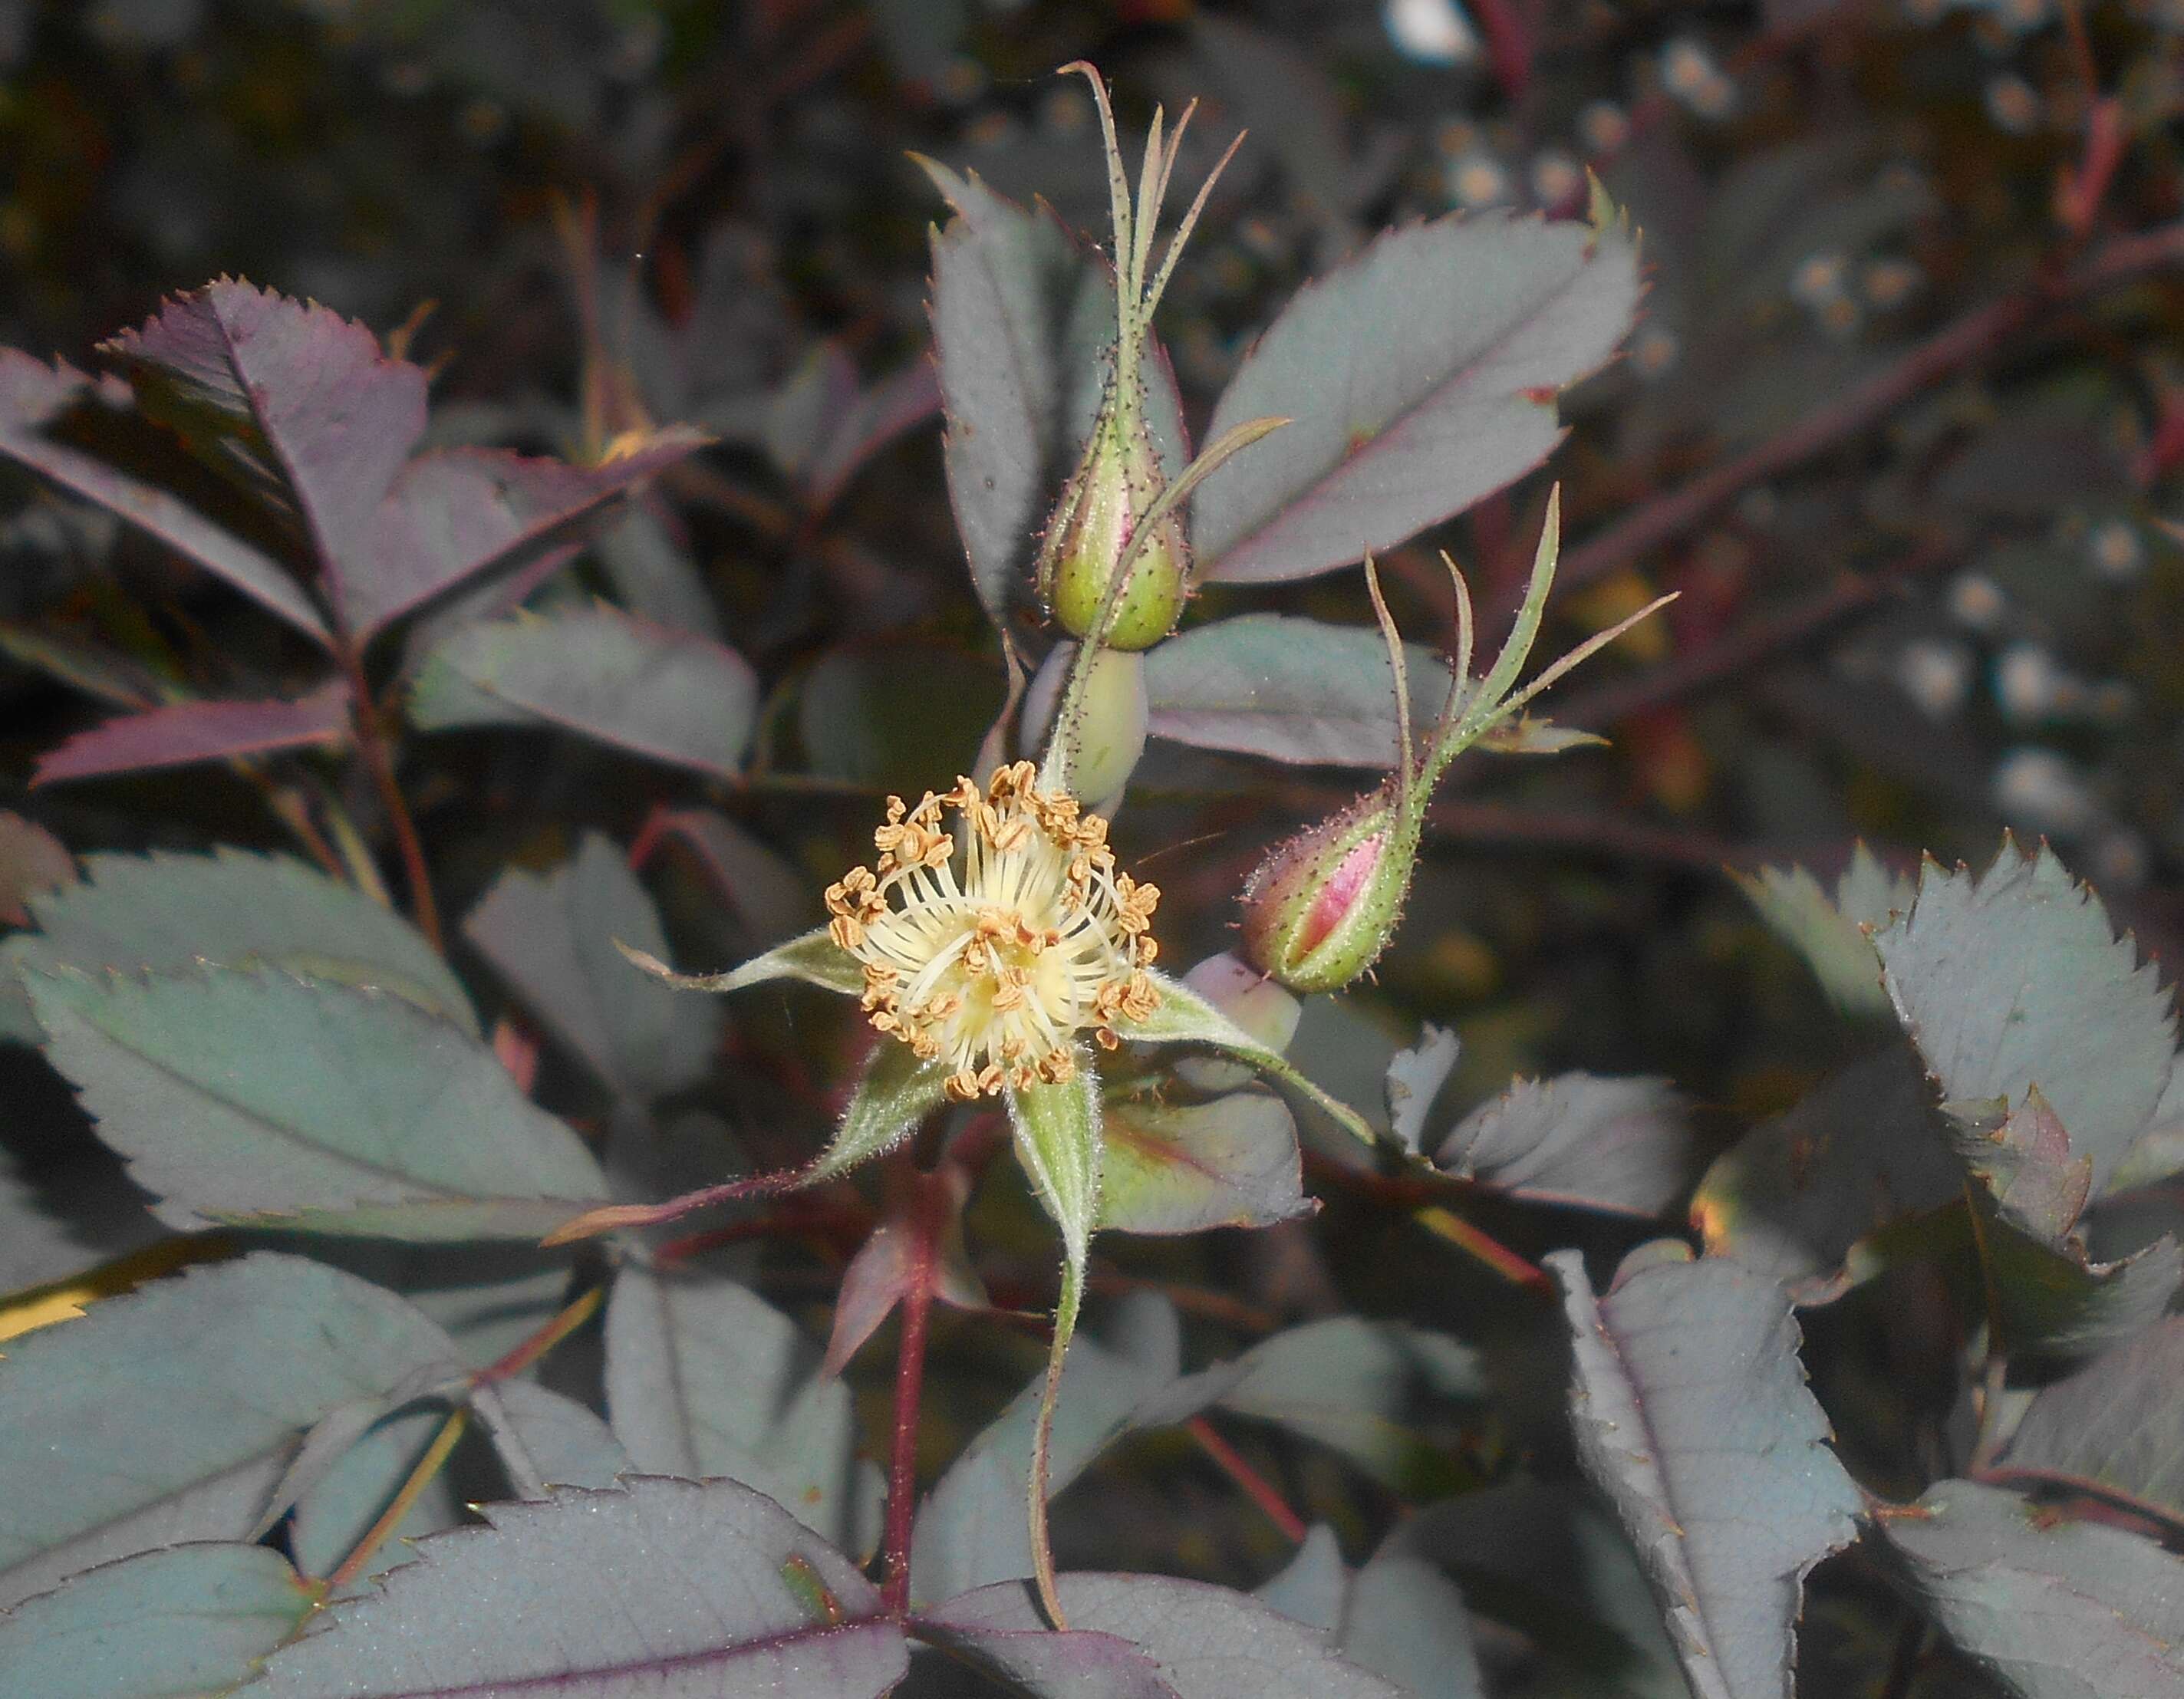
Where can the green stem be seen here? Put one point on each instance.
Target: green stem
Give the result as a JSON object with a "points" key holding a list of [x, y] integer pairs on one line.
{"points": [[1042, 1441]]}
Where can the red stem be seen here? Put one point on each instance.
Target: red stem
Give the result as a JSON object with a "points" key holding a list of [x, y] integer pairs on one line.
{"points": [[926, 1212], [379, 760], [1256, 1487]]}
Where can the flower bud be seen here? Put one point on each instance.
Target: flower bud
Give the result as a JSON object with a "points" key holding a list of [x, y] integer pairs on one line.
{"points": [[1111, 713], [1115, 485], [1321, 907]]}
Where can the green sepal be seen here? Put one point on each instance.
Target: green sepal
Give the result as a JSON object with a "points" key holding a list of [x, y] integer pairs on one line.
{"points": [[1184, 1017], [814, 957], [1058, 1140], [894, 1095]]}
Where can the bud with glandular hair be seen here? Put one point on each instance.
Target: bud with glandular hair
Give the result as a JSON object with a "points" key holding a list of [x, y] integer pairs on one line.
{"points": [[1113, 490], [1321, 908]]}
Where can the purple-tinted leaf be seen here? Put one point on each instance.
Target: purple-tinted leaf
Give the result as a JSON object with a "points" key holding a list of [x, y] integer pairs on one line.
{"points": [[32, 395], [2118, 1421], [206, 1383], [2025, 1161], [104, 674], [304, 403], [2055, 1609], [32, 861], [187, 733], [882, 1272], [773, 900], [1578, 1138], [454, 512], [260, 1097], [1204, 1642], [2015, 977], [657, 1588], [1290, 689], [1398, 1617], [1182, 1168], [1795, 1195], [553, 938], [670, 695], [1446, 343], [1693, 1416], [899, 403]]}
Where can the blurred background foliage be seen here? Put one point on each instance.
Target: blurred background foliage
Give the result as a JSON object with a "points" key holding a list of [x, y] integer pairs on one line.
{"points": [[1903, 419]]}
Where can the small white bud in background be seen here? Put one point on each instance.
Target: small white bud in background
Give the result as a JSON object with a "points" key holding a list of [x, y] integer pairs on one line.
{"points": [[1432, 32], [2013, 103], [1889, 283], [1555, 177], [2115, 551], [2121, 861], [1603, 127], [2028, 685], [1819, 278], [1976, 602], [1654, 350], [1936, 676], [1478, 179], [2038, 788]]}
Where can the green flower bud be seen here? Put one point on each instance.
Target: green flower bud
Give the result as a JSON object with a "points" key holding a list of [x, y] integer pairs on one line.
{"points": [[1111, 712], [1322, 907], [1115, 485]]}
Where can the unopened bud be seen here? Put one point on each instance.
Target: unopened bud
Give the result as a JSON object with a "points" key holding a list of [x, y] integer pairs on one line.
{"points": [[1111, 713], [1321, 907], [1115, 485]]}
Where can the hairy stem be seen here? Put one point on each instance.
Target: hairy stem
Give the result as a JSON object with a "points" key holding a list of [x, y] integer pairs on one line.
{"points": [[1042, 1442], [909, 1390]]}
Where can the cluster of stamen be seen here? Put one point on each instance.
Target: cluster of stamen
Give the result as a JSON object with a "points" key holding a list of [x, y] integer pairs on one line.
{"points": [[989, 943]]}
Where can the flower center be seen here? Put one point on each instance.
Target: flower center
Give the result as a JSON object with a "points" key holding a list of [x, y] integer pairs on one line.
{"points": [[991, 940]]}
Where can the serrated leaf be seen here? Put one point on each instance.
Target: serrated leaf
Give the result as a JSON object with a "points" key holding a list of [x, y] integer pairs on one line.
{"points": [[2013, 977], [1831, 933], [2053, 1609], [1398, 1617], [301, 406], [186, 734], [669, 696], [32, 863], [704, 1377], [33, 396], [1415, 1078], [1183, 1167], [256, 1096], [165, 911], [2117, 1421], [1373, 1391], [206, 1385], [1204, 1642], [1796, 1196], [2158, 1151], [1578, 1138], [555, 936], [545, 1440], [1690, 1408], [656, 1587], [1447, 342], [186, 1621], [970, 1527], [1288, 688]]}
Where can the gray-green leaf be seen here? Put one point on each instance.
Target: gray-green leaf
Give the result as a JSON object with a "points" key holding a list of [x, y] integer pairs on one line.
{"points": [[2055, 1609], [1693, 1416], [658, 1588], [2014, 977], [260, 1097]]}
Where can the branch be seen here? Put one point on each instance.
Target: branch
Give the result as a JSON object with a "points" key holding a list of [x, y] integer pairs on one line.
{"points": [[1948, 350]]}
